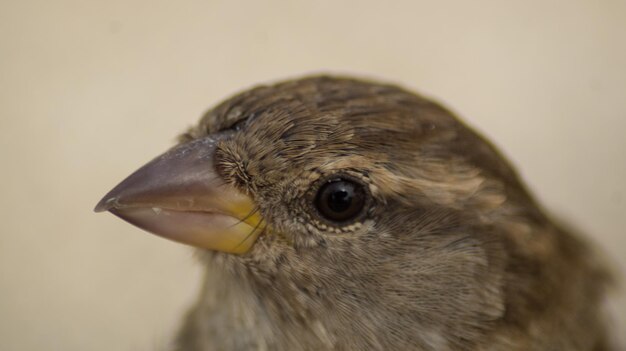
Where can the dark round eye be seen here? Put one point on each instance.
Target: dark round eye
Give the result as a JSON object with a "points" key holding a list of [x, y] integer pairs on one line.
{"points": [[340, 200]]}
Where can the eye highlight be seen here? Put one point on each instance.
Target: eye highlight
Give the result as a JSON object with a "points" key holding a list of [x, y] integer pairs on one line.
{"points": [[340, 200]]}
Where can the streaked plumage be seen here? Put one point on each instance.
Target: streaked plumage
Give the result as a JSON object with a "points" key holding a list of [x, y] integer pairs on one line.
{"points": [[449, 251]]}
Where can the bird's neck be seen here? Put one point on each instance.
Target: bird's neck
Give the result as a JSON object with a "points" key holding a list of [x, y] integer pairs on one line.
{"points": [[229, 315]]}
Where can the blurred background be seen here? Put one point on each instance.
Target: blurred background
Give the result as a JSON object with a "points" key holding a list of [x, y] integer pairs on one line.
{"points": [[90, 90]]}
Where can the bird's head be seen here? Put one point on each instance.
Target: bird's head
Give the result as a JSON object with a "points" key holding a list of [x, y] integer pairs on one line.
{"points": [[342, 190]]}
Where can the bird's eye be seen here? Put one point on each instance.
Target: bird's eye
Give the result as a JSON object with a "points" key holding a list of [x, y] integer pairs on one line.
{"points": [[340, 200]]}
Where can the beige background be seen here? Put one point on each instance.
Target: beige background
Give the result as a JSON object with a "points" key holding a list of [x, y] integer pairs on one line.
{"points": [[90, 90]]}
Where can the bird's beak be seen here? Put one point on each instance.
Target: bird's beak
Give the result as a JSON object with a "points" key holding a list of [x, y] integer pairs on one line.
{"points": [[180, 196]]}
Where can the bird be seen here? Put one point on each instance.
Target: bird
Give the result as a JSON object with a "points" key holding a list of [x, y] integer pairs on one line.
{"points": [[338, 213]]}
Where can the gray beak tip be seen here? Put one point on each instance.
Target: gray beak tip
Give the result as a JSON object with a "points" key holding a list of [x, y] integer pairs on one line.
{"points": [[105, 204]]}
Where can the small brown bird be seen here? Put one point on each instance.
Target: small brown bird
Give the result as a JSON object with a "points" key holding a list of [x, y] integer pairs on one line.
{"points": [[339, 214]]}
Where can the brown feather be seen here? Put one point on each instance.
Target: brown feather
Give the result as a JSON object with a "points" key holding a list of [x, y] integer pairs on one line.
{"points": [[454, 253]]}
